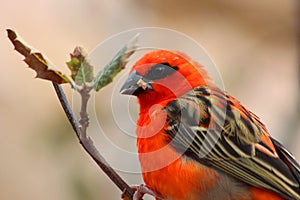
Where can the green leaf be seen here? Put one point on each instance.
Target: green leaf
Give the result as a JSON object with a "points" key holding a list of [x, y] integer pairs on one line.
{"points": [[36, 61], [118, 63], [81, 71]]}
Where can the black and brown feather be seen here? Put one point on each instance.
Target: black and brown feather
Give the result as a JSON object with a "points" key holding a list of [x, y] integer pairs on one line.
{"points": [[208, 125]]}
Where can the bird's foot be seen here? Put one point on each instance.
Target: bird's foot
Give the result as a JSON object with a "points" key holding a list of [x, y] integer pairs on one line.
{"points": [[140, 191]]}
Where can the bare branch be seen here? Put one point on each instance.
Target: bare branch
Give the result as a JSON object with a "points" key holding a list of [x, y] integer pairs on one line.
{"points": [[88, 144]]}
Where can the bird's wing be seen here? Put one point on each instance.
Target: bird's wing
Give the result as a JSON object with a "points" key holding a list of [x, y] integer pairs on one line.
{"points": [[213, 128]]}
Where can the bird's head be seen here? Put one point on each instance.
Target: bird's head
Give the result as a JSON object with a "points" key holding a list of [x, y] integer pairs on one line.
{"points": [[161, 75]]}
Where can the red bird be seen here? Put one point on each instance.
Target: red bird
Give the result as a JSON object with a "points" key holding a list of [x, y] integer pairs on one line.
{"points": [[196, 142]]}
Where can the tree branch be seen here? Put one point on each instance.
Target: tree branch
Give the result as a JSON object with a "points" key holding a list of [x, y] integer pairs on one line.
{"points": [[88, 144], [82, 73]]}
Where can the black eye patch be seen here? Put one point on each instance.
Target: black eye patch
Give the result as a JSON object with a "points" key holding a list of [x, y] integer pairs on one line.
{"points": [[160, 71]]}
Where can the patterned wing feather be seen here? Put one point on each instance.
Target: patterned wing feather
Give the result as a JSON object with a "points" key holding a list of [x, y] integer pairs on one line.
{"points": [[213, 128]]}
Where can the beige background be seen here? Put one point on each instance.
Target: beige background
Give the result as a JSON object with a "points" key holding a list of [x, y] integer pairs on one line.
{"points": [[254, 45]]}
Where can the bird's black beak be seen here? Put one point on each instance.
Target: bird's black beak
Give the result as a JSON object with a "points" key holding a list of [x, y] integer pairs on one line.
{"points": [[135, 84]]}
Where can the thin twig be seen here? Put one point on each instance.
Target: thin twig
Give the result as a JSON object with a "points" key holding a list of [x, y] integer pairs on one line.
{"points": [[84, 118], [45, 70], [88, 144]]}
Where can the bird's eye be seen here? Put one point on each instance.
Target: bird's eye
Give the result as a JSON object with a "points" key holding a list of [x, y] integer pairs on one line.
{"points": [[160, 71]]}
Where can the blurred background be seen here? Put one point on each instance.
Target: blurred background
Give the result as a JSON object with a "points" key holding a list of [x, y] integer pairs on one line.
{"points": [[255, 45]]}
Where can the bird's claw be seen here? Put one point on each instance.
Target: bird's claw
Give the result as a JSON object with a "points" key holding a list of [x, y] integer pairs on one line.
{"points": [[140, 191]]}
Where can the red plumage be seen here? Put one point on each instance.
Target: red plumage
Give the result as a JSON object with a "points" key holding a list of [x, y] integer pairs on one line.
{"points": [[183, 112]]}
